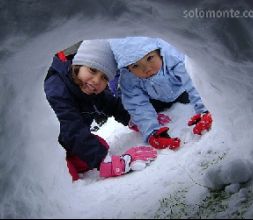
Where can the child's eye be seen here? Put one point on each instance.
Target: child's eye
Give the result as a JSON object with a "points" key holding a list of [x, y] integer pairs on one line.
{"points": [[149, 58], [134, 66], [93, 70], [105, 78]]}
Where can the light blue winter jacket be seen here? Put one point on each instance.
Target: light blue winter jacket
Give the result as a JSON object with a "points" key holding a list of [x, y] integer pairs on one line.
{"points": [[167, 85]]}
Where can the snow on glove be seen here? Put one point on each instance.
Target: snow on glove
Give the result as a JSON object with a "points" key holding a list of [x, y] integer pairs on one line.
{"points": [[202, 122], [162, 119], [136, 158], [161, 140]]}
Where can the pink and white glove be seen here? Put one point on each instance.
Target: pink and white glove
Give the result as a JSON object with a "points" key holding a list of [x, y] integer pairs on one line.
{"points": [[162, 119], [136, 158]]}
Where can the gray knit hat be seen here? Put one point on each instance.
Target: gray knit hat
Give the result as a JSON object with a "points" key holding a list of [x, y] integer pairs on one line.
{"points": [[96, 54]]}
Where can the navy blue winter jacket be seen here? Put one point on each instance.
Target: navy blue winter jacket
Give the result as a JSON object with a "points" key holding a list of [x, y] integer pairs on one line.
{"points": [[76, 111]]}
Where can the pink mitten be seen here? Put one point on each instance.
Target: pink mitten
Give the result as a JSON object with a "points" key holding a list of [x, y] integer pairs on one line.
{"points": [[112, 166], [141, 156], [141, 153], [163, 119], [136, 158]]}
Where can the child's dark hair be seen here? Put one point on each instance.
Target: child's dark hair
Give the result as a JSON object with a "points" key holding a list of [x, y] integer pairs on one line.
{"points": [[75, 69], [158, 51], [74, 72]]}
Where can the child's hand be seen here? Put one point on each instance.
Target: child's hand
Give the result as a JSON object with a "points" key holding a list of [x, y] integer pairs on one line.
{"points": [[202, 122], [161, 140], [140, 157], [133, 126], [162, 119], [136, 158]]}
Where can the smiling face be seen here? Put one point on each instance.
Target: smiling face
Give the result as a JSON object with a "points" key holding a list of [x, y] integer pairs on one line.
{"points": [[90, 80], [148, 66]]}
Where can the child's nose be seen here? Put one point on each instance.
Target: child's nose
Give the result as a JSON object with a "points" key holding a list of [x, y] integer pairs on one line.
{"points": [[146, 70], [96, 79]]}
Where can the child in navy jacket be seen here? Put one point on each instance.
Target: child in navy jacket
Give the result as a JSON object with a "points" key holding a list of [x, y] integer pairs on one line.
{"points": [[76, 87]]}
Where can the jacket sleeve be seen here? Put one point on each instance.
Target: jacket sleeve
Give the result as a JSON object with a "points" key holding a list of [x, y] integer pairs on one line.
{"points": [[175, 62], [112, 106], [137, 102], [75, 135], [182, 75]]}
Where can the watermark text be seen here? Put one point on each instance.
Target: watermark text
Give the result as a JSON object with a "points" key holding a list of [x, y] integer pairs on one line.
{"points": [[208, 13]]}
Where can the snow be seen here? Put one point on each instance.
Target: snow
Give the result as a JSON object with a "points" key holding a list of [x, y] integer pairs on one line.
{"points": [[208, 177]]}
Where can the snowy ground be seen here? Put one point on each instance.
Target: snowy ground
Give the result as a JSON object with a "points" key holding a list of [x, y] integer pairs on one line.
{"points": [[34, 179]]}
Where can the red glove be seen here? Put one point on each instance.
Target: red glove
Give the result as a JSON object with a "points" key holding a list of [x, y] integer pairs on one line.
{"points": [[162, 119], [133, 126], [161, 140], [202, 122]]}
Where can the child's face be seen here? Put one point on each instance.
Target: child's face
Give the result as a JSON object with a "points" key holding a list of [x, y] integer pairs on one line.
{"points": [[148, 66], [91, 81]]}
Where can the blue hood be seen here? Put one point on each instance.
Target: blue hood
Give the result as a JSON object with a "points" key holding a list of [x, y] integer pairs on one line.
{"points": [[131, 49]]}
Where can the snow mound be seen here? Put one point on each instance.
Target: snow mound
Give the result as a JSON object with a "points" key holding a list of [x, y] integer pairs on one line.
{"points": [[234, 172]]}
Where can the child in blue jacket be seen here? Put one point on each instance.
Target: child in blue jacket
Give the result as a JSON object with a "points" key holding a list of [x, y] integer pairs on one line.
{"points": [[153, 77], [76, 87]]}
